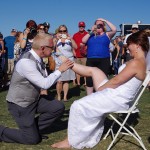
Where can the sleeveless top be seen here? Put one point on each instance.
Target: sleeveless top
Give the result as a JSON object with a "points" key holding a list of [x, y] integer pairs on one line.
{"points": [[65, 48], [128, 89], [27, 47], [98, 46], [124, 92]]}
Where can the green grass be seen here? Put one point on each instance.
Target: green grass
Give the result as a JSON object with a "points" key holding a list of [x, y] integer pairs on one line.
{"points": [[59, 129]]}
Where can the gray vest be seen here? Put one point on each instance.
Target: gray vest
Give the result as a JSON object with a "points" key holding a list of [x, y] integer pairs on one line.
{"points": [[21, 91]]}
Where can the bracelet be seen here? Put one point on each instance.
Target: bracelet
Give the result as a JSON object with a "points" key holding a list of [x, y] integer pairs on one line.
{"points": [[24, 38]]}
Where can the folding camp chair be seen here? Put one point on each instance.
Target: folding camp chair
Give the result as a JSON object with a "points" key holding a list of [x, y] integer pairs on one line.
{"points": [[123, 122]]}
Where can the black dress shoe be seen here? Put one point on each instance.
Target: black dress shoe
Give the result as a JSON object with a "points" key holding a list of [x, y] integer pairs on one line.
{"points": [[44, 137]]}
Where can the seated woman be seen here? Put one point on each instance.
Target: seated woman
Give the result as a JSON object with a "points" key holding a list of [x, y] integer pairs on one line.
{"points": [[87, 115]]}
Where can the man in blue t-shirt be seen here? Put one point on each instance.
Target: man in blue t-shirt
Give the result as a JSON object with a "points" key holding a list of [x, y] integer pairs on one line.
{"points": [[9, 42]]}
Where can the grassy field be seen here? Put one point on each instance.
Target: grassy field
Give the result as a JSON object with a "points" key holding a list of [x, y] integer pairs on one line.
{"points": [[59, 129]]}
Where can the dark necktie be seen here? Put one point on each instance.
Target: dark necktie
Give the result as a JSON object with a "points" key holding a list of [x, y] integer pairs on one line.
{"points": [[42, 68]]}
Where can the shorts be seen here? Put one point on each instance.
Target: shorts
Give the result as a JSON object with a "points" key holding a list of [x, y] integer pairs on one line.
{"points": [[81, 61]]}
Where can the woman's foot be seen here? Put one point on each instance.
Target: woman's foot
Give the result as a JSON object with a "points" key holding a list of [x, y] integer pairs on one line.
{"points": [[65, 100], [148, 87], [78, 83], [84, 84], [59, 98], [74, 84], [61, 144]]}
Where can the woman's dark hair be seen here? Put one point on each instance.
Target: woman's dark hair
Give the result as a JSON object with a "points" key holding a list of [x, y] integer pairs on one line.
{"points": [[31, 24], [139, 38], [1, 35]]}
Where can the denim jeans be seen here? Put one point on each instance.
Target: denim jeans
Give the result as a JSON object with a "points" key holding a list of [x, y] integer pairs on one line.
{"points": [[116, 66]]}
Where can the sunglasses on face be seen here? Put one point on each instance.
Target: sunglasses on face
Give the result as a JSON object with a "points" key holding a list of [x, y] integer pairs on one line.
{"points": [[41, 28], [47, 27], [81, 26], [62, 31], [134, 29]]}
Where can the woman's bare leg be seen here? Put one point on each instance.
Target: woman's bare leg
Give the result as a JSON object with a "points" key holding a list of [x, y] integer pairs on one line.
{"points": [[84, 81], [97, 75], [78, 79], [61, 144], [89, 90], [59, 89], [74, 82], [65, 89]]}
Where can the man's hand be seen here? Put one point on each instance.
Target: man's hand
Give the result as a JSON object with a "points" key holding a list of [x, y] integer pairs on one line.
{"points": [[66, 65]]}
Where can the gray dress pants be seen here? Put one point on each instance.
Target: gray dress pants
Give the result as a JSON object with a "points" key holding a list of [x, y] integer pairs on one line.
{"points": [[29, 126]]}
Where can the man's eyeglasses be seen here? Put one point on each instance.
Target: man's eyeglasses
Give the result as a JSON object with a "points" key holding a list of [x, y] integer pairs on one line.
{"points": [[62, 31], [52, 47]]}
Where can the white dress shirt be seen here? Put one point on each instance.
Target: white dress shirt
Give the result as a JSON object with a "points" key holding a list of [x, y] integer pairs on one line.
{"points": [[27, 68]]}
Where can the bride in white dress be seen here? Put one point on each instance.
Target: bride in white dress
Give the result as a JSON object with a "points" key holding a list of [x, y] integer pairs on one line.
{"points": [[86, 120]]}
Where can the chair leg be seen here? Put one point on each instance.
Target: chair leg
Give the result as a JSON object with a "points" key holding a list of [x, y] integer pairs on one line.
{"points": [[110, 130], [135, 134], [138, 138]]}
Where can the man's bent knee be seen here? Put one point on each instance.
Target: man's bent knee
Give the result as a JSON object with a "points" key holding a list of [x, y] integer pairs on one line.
{"points": [[32, 140], [60, 107]]}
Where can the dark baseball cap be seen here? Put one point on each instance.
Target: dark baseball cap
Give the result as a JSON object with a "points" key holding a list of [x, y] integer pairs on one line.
{"points": [[46, 24], [1, 35], [13, 30]]}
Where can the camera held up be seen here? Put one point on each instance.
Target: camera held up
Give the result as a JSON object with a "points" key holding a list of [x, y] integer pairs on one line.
{"points": [[33, 30], [100, 26]]}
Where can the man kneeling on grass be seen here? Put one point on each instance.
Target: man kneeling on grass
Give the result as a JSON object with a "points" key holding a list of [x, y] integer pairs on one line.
{"points": [[24, 99]]}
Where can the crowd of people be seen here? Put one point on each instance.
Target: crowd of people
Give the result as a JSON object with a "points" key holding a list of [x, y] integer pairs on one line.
{"points": [[26, 60]]}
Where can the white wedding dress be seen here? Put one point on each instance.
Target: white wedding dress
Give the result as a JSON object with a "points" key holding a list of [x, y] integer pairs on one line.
{"points": [[87, 115]]}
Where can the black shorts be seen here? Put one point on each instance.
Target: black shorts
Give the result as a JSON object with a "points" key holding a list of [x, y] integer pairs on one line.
{"points": [[101, 63]]}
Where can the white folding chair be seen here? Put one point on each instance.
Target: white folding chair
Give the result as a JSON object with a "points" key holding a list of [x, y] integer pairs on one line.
{"points": [[123, 123]]}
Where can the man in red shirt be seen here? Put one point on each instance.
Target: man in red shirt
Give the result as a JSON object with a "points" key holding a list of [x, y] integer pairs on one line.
{"points": [[80, 52]]}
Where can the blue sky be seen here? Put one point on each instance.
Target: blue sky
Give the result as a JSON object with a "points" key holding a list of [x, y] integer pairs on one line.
{"points": [[15, 13]]}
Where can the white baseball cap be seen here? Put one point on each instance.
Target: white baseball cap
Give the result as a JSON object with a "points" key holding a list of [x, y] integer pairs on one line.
{"points": [[135, 26]]}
